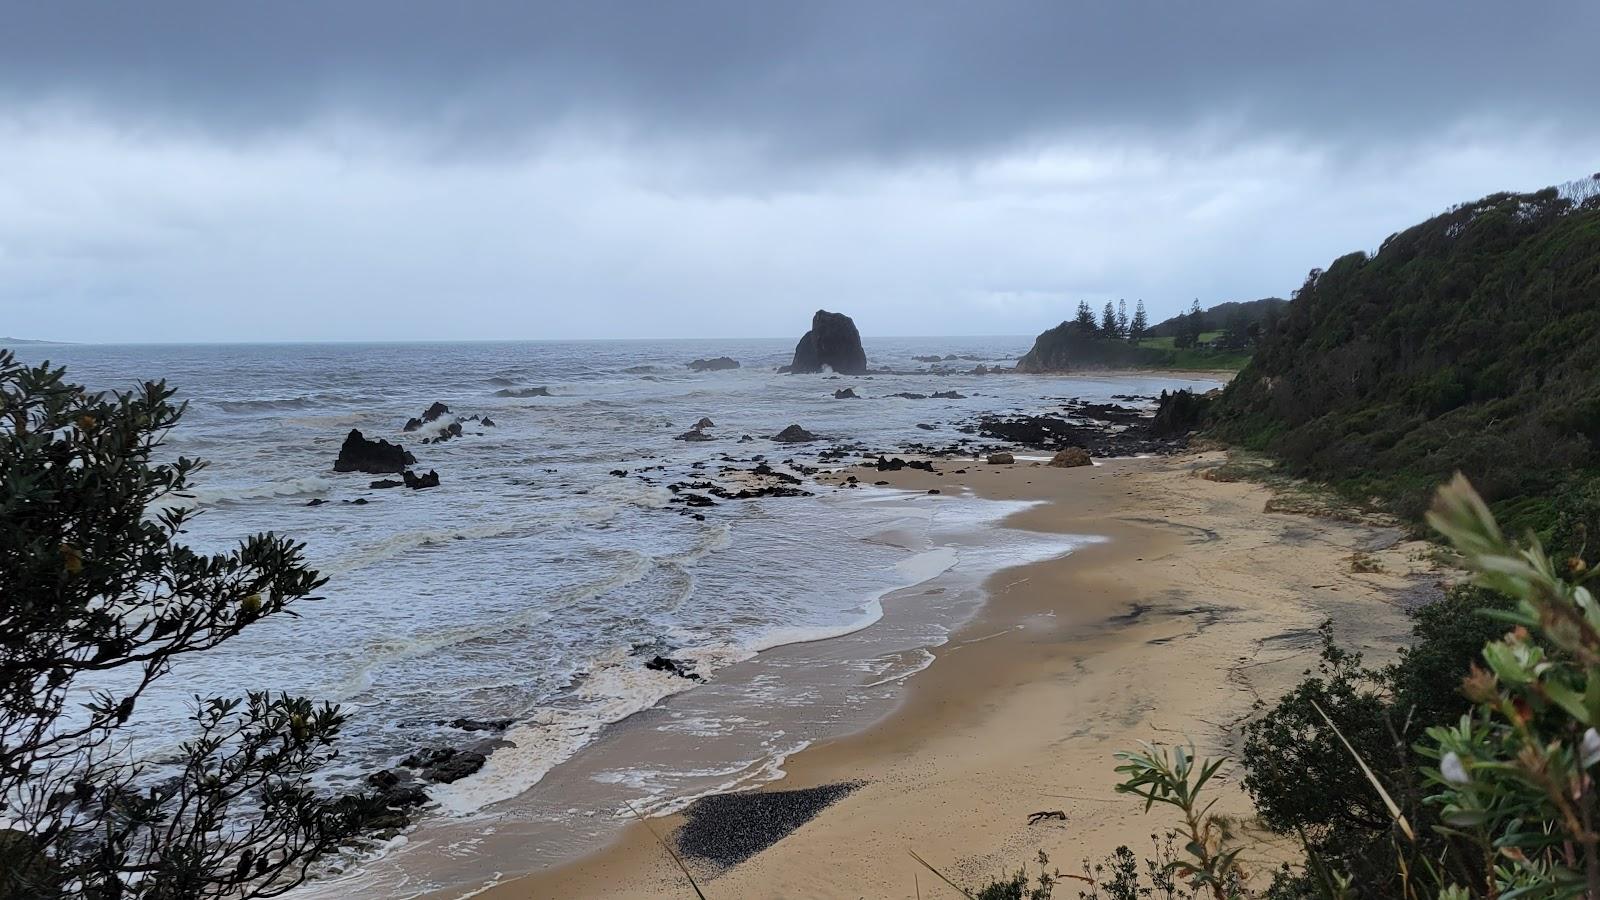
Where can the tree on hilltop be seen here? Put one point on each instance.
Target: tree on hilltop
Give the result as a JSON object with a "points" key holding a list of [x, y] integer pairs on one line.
{"points": [[1085, 318], [1140, 323]]}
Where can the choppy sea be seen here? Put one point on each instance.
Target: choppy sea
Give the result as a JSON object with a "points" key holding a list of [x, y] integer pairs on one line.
{"points": [[533, 584]]}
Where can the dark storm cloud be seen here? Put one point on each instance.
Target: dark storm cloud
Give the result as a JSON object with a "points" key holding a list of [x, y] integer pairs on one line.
{"points": [[838, 80]]}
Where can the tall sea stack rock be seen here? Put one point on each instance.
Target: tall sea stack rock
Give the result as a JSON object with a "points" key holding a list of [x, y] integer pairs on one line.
{"points": [[833, 342]]}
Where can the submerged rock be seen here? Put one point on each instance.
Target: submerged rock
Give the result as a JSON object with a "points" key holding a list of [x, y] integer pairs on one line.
{"points": [[382, 483], [358, 454], [672, 666], [794, 434], [833, 341], [948, 395], [480, 724], [693, 434], [523, 392], [714, 365]]}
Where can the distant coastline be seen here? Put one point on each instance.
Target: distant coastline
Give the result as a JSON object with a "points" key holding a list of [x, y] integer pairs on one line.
{"points": [[28, 342]]}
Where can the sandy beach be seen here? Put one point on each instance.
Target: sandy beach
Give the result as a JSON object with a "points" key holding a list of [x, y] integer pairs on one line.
{"points": [[1199, 605]]}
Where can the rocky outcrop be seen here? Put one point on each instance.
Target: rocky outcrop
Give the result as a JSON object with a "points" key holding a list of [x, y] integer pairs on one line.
{"points": [[714, 365], [832, 342], [698, 431], [1071, 457], [445, 765], [1179, 413], [846, 394], [794, 434], [358, 454], [418, 482]]}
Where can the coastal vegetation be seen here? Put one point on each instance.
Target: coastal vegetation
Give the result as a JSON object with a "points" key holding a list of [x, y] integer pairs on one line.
{"points": [[1465, 343], [99, 598], [1220, 339], [1464, 768]]}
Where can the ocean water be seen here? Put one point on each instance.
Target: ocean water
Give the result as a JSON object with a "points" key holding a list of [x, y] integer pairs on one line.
{"points": [[533, 584]]}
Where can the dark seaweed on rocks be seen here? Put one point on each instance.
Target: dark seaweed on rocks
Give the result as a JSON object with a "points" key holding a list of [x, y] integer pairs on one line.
{"points": [[727, 829]]}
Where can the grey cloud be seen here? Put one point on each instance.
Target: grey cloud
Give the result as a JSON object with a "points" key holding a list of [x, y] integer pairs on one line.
{"points": [[835, 80]]}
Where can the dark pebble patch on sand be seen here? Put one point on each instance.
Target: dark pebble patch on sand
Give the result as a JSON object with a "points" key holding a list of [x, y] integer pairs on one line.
{"points": [[727, 829]]}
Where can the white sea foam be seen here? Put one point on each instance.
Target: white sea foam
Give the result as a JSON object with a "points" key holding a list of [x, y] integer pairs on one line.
{"points": [[289, 487]]}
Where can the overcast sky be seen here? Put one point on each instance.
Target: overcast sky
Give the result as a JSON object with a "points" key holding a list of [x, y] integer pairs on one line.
{"points": [[382, 170]]}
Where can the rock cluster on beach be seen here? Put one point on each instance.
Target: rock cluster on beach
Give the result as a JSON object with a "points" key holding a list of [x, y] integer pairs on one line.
{"points": [[832, 342]]}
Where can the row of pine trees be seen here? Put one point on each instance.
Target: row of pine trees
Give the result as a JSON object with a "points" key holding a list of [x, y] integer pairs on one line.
{"points": [[1114, 322]]}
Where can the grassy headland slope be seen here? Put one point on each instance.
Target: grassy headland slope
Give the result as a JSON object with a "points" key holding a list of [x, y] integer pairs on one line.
{"points": [[1469, 342]]}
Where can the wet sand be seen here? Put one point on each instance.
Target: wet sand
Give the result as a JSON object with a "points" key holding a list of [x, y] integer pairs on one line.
{"points": [[1199, 604]]}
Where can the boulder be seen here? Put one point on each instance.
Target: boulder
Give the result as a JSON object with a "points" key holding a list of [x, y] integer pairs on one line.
{"points": [[714, 365], [487, 422], [846, 394], [418, 482], [833, 342], [794, 434], [1001, 459], [412, 424], [379, 457], [1071, 458], [435, 411], [705, 422], [693, 434]]}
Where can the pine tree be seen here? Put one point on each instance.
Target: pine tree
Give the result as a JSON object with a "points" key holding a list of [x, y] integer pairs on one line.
{"points": [[1140, 323], [1108, 321], [1192, 326], [1122, 318], [1085, 319]]}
